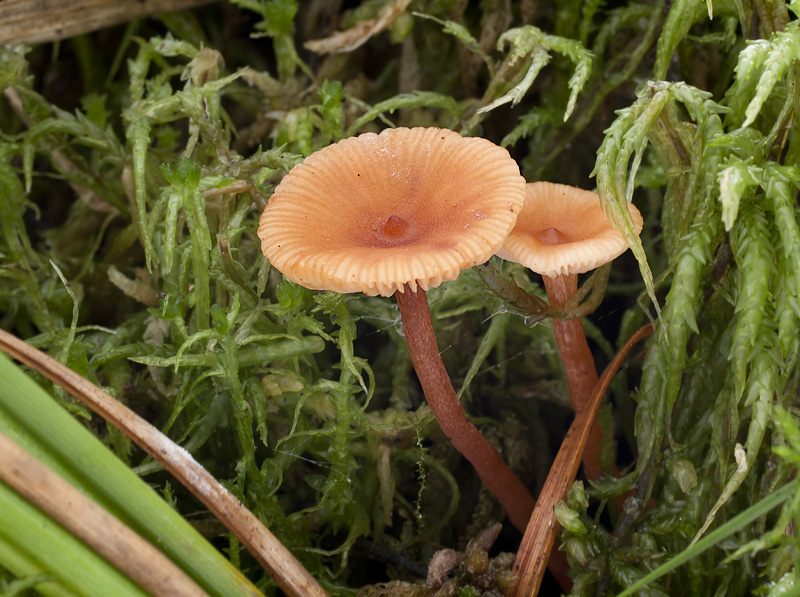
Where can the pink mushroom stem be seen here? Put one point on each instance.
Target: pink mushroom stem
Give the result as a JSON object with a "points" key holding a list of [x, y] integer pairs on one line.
{"points": [[571, 340], [444, 403], [578, 361]]}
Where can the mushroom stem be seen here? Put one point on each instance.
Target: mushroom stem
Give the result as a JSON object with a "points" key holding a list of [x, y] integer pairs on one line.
{"points": [[578, 361], [571, 340], [444, 403]]}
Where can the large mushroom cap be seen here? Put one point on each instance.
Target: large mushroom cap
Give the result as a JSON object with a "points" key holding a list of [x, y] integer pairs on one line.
{"points": [[563, 230], [406, 206]]}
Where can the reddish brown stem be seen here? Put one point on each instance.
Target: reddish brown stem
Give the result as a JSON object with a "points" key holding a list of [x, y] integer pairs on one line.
{"points": [[571, 339], [540, 535], [578, 362], [444, 403]]}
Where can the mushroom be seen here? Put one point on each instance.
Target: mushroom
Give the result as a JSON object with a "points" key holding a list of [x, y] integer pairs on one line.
{"points": [[397, 213], [562, 232]]}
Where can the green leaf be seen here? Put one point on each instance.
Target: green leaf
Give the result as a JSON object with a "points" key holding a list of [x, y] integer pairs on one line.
{"points": [[138, 134], [493, 334], [682, 15], [735, 181], [773, 60], [32, 543]]}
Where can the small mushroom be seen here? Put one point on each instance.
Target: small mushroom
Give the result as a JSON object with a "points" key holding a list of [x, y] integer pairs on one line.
{"points": [[562, 232], [397, 213]]}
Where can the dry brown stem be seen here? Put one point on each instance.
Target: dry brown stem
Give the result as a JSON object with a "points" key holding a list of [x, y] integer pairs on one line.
{"points": [[540, 535], [35, 22]]}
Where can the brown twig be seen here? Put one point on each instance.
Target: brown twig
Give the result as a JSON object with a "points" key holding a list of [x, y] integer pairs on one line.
{"points": [[34, 22], [273, 556], [540, 535], [121, 546]]}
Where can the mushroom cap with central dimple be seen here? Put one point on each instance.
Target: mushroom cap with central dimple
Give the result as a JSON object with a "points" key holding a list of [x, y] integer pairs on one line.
{"points": [[378, 211], [564, 230]]}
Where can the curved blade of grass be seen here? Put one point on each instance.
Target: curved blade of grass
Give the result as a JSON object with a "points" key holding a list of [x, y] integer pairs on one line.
{"points": [[734, 525], [493, 333], [269, 552], [463, 35], [136, 558], [405, 101]]}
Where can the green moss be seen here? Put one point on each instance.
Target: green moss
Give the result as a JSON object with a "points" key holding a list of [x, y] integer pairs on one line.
{"points": [[130, 191]]}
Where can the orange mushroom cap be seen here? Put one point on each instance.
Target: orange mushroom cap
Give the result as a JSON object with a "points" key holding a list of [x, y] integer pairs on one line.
{"points": [[564, 230], [378, 211]]}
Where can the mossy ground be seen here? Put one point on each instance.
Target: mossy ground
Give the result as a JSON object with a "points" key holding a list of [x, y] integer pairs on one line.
{"points": [[134, 164]]}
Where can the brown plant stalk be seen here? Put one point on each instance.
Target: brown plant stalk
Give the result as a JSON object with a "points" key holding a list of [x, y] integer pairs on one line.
{"points": [[540, 535]]}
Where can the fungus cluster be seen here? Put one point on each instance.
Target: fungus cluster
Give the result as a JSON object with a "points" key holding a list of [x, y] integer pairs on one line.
{"points": [[402, 211]]}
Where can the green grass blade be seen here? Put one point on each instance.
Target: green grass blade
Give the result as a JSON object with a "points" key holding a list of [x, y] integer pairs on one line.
{"points": [[45, 544], [30, 417], [726, 530], [29, 573]]}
